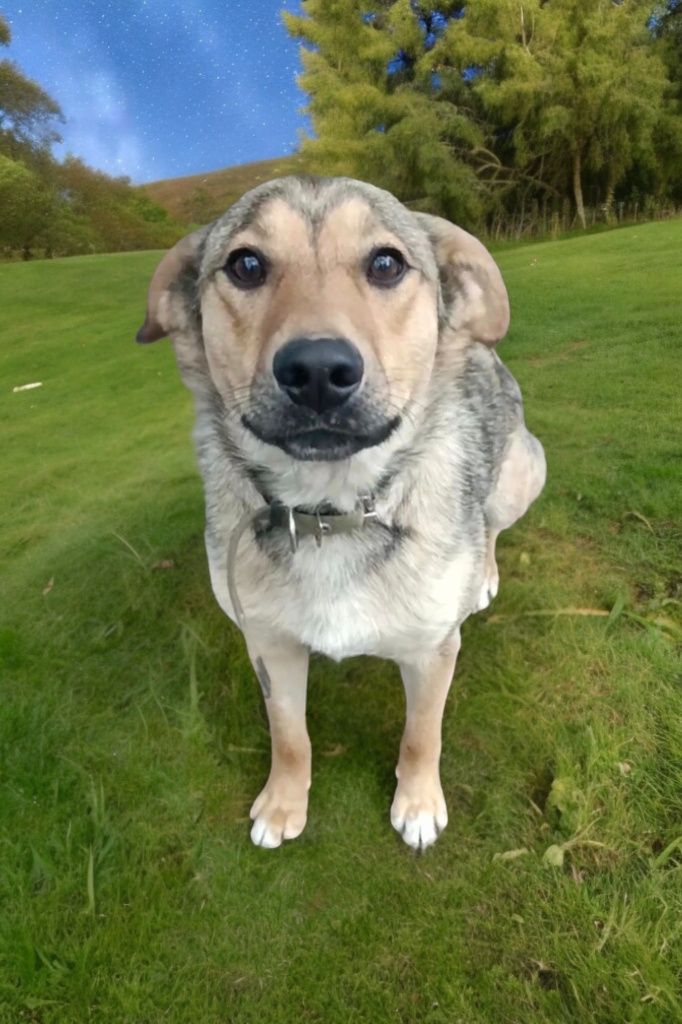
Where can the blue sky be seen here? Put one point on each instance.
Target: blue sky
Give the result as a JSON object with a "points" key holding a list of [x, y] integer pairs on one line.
{"points": [[161, 88]]}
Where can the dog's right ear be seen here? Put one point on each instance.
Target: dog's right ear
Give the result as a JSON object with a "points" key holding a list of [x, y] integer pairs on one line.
{"points": [[181, 260]]}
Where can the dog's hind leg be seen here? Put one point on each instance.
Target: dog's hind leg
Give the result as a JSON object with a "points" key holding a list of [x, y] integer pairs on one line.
{"points": [[281, 809], [418, 811], [520, 479]]}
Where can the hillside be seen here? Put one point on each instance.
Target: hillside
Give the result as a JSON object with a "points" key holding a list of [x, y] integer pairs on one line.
{"points": [[133, 736], [202, 197]]}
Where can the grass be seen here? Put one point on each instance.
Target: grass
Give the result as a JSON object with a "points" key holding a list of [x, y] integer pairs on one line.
{"points": [[133, 738]]}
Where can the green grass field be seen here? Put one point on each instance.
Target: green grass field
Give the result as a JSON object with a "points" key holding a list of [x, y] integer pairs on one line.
{"points": [[133, 738]]}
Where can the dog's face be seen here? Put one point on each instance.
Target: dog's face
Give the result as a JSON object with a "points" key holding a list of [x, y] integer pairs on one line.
{"points": [[322, 303], [321, 322]]}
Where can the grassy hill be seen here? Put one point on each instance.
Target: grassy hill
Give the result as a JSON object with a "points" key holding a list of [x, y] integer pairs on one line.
{"points": [[133, 738], [202, 197]]}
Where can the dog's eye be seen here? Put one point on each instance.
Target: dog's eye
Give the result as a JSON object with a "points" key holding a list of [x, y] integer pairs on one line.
{"points": [[386, 267], [245, 268]]}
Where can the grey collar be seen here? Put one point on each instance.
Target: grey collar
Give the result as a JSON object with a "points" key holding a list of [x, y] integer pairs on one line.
{"points": [[299, 524]]}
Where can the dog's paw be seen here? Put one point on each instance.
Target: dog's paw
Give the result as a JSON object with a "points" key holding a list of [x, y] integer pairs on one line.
{"points": [[419, 813], [279, 812], [491, 584]]}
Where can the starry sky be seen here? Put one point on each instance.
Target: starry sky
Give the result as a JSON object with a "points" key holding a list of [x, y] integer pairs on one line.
{"points": [[161, 88]]}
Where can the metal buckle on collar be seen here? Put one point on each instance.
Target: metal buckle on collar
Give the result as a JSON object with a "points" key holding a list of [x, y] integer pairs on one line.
{"points": [[369, 511], [321, 525], [285, 516], [320, 530]]}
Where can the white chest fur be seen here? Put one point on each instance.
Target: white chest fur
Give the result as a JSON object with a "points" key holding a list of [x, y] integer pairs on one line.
{"points": [[350, 596]]}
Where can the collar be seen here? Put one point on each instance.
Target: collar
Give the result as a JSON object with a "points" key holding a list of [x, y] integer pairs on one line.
{"points": [[299, 523]]}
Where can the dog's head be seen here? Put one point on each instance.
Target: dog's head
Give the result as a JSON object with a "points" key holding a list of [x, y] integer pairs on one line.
{"points": [[316, 307]]}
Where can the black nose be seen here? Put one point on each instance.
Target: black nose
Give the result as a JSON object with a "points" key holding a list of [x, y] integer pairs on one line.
{"points": [[321, 373]]}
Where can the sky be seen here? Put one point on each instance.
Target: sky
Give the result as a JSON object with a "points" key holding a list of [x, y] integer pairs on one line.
{"points": [[156, 89]]}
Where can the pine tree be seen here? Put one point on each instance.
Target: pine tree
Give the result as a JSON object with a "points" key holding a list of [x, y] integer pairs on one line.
{"points": [[377, 109]]}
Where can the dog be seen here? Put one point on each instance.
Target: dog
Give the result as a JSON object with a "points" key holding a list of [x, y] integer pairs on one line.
{"points": [[361, 446]]}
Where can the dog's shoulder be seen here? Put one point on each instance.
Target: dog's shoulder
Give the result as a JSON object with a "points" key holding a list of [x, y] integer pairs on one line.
{"points": [[480, 403], [487, 388]]}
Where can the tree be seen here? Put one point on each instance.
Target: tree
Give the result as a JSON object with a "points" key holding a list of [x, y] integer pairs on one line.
{"points": [[494, 103], [375, 105], [664, 173], [62, 208], [119, 216], [27, 207], [573, 86], [27, 113], [666, 26]]}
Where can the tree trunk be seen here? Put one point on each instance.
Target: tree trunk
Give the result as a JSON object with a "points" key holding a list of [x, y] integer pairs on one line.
{"points": [[578, 189], [610, 191]]}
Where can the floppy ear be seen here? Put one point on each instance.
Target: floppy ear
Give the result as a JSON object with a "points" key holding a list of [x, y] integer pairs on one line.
{"points": [[181, 260], [474, 293]]}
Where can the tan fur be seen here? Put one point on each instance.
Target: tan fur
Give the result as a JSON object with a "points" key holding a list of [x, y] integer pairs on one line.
{"points": [[484, 311], [317, 288], [280, 810]]}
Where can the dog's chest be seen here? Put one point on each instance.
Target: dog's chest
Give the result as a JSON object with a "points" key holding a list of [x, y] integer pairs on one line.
{"points": [[396, 587], [391, 604], [372, 593]]}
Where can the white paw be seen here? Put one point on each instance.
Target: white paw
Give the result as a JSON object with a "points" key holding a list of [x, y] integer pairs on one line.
{"points": [[420, 815], [491, 585], [279, 812]]}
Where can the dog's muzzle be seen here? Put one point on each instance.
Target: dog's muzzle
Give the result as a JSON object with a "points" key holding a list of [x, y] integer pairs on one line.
{"points": [[317, 405]]}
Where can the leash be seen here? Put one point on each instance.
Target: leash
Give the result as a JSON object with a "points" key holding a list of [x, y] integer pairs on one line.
{"points": [[297, 524]]}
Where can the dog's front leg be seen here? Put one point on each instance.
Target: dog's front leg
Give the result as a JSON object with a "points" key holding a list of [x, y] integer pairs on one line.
{"points": [[280, 810], [418, 811]]}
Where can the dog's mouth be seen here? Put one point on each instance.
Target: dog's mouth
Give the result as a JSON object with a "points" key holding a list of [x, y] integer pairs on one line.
{"points": [[320, 442], [365, 420]]}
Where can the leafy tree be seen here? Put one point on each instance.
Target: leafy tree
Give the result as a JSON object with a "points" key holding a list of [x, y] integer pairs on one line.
{"points": [[27, 113], [375, 105], [147, 210], [574, 87], [459, 108], [27, 207], [664, 174], [68, 207], [120, 216], [666, 26]]}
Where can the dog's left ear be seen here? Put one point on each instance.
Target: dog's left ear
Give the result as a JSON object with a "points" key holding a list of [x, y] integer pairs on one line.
{"points": [[474, 293], [181, 260]]}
